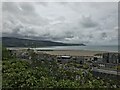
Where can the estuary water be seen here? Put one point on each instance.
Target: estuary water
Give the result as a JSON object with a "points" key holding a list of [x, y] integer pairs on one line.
{"points": [[90, 48], [87, 48]]}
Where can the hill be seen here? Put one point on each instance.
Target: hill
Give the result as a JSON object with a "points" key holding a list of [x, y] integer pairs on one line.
{"points": [[18, 42]]}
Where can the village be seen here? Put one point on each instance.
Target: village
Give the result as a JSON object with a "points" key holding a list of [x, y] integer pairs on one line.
{"points": [[104, 65]]}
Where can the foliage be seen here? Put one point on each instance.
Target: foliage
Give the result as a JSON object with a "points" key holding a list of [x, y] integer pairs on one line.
{"points": [[118, 67], [5, 54], [44, 74], [19, 73], [85, 66]]}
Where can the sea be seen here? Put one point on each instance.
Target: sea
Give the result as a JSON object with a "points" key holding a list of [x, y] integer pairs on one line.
{"points": [[112, 48]]}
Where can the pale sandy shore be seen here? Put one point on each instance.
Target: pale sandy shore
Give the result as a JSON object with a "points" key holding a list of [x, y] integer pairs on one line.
{"points": [[66, 52], [73, 52]]}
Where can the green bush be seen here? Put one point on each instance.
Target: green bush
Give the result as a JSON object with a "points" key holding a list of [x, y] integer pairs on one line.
{"points": [[5, 54], [43, 74]]}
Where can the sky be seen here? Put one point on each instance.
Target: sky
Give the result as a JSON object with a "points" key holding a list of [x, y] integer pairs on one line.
{"points": [[91, 23]]}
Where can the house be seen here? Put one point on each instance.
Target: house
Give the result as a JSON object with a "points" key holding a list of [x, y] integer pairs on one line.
{"points": [[79, 59], [64, 59], [97, 57], [111, 58], [106, 60]]}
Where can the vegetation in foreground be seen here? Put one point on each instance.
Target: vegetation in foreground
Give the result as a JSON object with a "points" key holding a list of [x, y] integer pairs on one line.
{"points": [[43, 74]]}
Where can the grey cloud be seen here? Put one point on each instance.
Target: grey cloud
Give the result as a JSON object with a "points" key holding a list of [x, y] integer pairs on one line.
{"points": [[42, 3], [26, 7], [65, 22], [87, 22], [69, 34], [18, 8], [10, 7], [91, 36], [103, 35]]}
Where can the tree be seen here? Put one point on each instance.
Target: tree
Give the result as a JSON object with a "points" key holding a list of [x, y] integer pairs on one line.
{"points": [[5, 54]]}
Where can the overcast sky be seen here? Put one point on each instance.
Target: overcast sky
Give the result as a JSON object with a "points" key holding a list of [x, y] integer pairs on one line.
{"points": [[69, 22]]}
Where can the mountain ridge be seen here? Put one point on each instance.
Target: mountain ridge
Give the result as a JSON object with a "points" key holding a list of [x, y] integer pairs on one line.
{"points": [[20, 42]]}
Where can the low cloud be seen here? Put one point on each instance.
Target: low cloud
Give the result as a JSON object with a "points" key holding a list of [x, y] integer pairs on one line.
{"points": [[89, 23]]}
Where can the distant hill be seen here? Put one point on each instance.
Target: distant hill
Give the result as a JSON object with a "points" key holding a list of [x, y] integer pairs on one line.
{"points": [[17, 42]]}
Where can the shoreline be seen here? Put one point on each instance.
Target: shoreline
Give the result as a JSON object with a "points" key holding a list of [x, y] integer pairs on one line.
{"points": [[65, 52], [73, 52]]}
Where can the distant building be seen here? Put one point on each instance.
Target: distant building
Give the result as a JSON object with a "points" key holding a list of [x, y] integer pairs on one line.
{"points": [[79, 59], [66, 59], [98, 57], [63, 59], [106, 60], [111, 58], [106, 57]]}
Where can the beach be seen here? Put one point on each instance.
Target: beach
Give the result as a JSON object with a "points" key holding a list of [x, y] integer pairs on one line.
{"points": [[72, 52]]}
